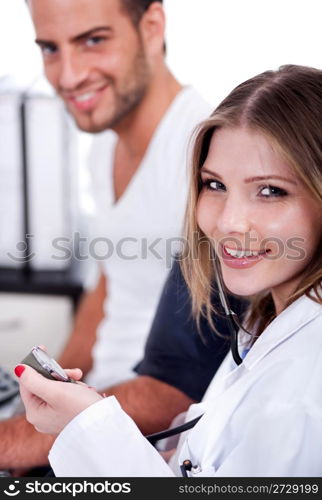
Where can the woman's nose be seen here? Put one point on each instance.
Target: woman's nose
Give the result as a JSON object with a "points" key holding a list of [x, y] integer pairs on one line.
{"points": [[235, 216]]}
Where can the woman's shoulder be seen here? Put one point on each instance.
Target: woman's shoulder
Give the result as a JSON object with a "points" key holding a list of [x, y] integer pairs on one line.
{"points": [[305, 314]]}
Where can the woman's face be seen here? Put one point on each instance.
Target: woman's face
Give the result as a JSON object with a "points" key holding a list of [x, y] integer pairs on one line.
{"points": [[263, 222]]}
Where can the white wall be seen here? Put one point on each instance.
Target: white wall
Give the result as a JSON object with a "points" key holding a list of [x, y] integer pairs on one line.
{"points": [[213, 44], [216, 44], [19, 57]]}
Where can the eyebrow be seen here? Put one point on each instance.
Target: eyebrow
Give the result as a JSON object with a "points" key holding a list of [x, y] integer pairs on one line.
{"points": [[210, 172], [268, 177], [258, 178], [79, 37]]}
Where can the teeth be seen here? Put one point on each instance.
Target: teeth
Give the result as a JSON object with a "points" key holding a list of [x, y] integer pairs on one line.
{"points": [[85, 97], [238, 254], [234, 253]]}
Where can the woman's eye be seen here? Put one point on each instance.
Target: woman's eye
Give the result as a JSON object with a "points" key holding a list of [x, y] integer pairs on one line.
{"points": [[213, 185], [272, 192]]}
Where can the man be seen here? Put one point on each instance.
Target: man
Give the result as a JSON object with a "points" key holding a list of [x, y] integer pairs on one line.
{"points": [[105, 58]]}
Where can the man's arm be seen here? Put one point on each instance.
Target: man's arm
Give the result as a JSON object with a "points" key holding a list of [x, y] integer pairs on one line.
{"points": [[20, 445], [90, 313], [177, 368], [151, 403]]}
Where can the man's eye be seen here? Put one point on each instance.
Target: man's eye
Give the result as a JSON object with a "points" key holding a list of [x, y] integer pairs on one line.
{"points": [[48, 50], [272, 192], [94, 40]]}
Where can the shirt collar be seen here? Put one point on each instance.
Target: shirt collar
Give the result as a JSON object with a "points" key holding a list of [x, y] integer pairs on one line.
{"points": [[286, 324]]}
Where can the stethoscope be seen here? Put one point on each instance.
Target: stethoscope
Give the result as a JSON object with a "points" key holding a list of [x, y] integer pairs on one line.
{"points": [[233, 327]]}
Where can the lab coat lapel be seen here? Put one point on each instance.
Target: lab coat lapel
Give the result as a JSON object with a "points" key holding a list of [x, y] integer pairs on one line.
{"points": [[285, 325], [208, 439], [291, 320]]}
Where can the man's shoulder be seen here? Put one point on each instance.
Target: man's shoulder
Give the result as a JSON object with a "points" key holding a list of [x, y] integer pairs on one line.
{"points": [[186, 111], [191, 104]]}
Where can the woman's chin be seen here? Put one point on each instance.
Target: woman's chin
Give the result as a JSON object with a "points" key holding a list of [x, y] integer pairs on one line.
{"points": [[242, 289]]}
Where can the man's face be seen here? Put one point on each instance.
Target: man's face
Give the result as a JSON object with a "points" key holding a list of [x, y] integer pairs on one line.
{"points": [[93, 57]]}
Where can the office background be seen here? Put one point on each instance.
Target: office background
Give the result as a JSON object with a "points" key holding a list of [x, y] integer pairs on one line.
{"points": [[211, 44]]}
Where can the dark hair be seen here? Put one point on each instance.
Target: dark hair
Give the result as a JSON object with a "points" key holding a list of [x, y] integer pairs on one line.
{"points": [[136, 8]]}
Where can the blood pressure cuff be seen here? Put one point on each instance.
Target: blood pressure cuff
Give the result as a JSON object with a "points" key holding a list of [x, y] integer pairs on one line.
{"points": [[176, 352]]}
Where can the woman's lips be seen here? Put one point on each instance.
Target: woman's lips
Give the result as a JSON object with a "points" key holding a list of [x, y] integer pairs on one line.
{"points": [[241, 259]]}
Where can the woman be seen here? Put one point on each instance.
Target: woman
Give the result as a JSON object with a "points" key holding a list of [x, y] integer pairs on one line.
{"points": [[256, 198]]}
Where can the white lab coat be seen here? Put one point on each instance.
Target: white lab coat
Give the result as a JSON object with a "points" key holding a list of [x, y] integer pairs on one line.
{"points": [[261, 418]]}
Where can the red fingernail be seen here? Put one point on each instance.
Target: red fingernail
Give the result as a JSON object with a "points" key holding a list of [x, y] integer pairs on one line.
{"points": [[19, 370]]}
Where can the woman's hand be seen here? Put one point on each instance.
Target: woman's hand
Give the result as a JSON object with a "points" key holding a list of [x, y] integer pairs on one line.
{"points": [[51, 405]]}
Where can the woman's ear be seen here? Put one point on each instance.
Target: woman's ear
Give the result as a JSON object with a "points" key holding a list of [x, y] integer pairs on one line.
{"points": [[152, 28]]}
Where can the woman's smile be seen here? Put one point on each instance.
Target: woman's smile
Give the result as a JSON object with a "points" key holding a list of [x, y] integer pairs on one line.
{"points": [[241, 259], [253, 208]]}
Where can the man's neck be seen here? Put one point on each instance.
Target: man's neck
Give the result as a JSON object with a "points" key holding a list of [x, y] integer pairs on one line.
{"points": [[136, 130]]}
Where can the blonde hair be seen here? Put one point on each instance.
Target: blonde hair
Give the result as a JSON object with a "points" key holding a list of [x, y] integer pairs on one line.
{"points": [[286, 106]]}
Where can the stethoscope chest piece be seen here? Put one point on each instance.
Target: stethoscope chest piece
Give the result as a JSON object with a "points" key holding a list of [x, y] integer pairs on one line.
{"points": [[187, 466]]}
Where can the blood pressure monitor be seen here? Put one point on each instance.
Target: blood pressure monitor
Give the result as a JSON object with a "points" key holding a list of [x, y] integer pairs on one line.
{"points": [[45, 365]]}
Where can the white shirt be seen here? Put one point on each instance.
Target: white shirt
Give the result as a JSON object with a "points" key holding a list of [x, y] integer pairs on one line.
{"points": [[140, 232], [261, 418]]}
